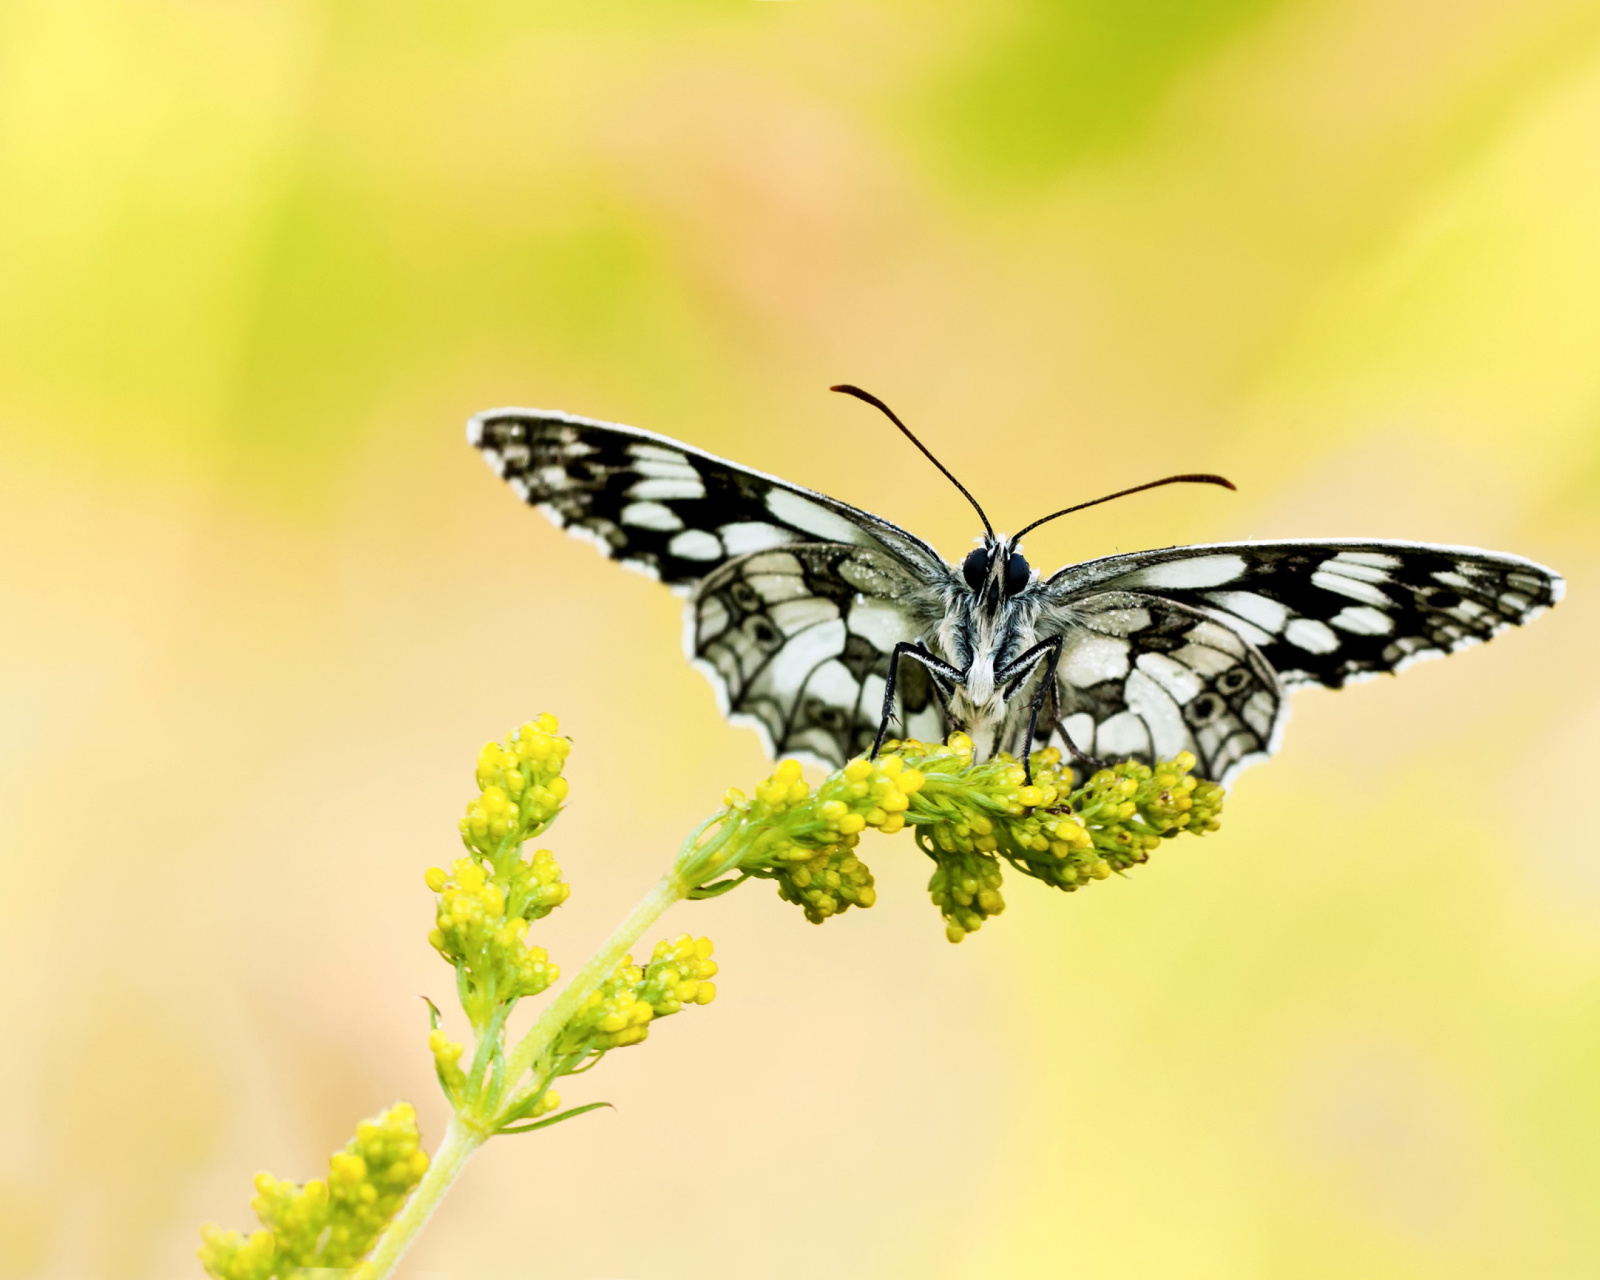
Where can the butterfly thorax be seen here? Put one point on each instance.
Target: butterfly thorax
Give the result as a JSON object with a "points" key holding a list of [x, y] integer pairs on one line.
{"points": [[988, 622]]}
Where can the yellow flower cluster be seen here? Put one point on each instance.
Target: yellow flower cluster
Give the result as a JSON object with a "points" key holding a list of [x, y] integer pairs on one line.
{"points": [[522, 788], [1114, 821], [621, 1011], [969, 817], [488, 899], [966, 889], [479, 930], [805, 840], [1131, 808], [829, 881], [325, 1223], [447, 1062]]}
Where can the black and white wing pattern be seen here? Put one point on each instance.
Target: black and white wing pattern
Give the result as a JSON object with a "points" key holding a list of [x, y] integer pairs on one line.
{"points": [[1196, 647], [663, 508], [797, 640], [1142, 678], [796, 600]]}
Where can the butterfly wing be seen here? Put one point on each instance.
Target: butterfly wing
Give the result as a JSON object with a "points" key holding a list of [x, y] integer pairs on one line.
{"points": [[797, 642], [671, 511], [1143, 678], [796, 599], [1311, 612], [1333, 612]]}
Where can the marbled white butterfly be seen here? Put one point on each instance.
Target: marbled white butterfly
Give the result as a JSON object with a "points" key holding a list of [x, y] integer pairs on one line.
{"points": [[814, 620]]}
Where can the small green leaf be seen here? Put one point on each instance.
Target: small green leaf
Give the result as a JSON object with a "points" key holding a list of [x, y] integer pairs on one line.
{"points": [[555, 1119]]}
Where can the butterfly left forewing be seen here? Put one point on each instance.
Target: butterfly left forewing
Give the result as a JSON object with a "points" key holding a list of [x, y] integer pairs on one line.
{"points": [[797, 642], [669, 510]]}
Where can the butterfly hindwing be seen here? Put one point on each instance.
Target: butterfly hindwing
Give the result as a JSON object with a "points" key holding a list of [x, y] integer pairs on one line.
{"points": [[662, 507], [1143, 678], [1333, 612], [797, 642]]}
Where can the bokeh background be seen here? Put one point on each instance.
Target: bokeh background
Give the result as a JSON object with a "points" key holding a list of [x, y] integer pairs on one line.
{"points": [[260, 606]]}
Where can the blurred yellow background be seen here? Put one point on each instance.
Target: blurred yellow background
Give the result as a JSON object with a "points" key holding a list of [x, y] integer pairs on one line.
{"points": [[261, 605]]}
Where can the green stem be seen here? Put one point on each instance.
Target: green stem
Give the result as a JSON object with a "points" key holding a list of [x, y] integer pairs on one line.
{"points": [[460, 1142], [463, 1137], [600, 966]]}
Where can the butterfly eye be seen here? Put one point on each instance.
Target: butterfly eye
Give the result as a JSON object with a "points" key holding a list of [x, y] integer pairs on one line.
{"points": [[975, 567], [1016, 573]]}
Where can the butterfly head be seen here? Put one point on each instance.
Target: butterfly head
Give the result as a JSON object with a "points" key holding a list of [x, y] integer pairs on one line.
{"points": [[996, 570]]}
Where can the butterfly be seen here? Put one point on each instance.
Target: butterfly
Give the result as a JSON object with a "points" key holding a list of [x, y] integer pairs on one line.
{"points": [[822, 625]]}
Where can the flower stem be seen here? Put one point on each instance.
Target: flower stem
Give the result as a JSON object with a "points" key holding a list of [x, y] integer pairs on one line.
{"points": [[463, 1137], [598, 968], [461, 1140]]}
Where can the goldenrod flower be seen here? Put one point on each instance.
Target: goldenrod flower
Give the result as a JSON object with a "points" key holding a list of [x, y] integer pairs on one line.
{"points": [[967, 817], [804, 841], [330, 1222], [479, 929], [447, 1063], [621, 1011], [488, 898], [522, 787], [966, 889]]}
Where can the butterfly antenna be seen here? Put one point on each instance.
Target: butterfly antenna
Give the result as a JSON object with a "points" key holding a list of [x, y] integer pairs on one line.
{"points": [[1194, 478], [846, 389]]}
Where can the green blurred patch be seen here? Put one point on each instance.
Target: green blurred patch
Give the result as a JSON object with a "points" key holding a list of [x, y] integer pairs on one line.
{"points": [[364, 279], [1062, 83]]}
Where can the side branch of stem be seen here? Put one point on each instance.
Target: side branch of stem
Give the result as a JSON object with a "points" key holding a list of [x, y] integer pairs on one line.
{"points": [[460, 1142], [466, 1134], [600, 966]]}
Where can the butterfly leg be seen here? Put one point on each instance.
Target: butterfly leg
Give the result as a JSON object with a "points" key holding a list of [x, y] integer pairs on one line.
{"points": [[905, 649], [1049, 688], [1018, 671]]}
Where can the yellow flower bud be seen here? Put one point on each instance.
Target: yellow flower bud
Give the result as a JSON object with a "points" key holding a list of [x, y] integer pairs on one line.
{"points": [[347, 1168]]}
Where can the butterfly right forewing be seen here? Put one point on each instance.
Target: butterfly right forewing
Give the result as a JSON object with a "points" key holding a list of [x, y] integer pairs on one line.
{"points": [[1195, 647], [1331, 612]]}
